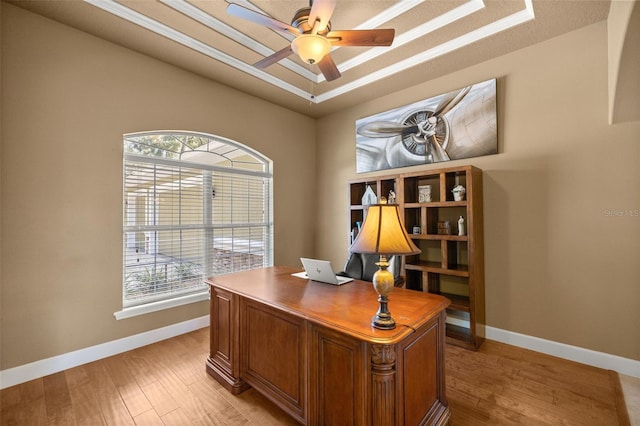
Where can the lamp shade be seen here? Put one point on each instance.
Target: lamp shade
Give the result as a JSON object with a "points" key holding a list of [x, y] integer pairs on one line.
{"points": [[311, 47], [383, 233]]}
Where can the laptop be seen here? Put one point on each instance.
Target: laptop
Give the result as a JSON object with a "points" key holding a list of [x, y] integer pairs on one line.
{"points": [[321, 270]]}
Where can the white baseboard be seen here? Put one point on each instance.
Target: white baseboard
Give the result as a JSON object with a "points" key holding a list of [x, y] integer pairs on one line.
{"points": [[457, 321], [619, 364], [44, 367]]}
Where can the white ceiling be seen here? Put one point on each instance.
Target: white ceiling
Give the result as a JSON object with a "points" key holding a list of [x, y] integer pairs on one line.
{"points": [[433, 38]]}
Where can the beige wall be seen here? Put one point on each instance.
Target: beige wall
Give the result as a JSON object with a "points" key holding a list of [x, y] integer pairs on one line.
{"points": [[67, 99], [558, 265]]}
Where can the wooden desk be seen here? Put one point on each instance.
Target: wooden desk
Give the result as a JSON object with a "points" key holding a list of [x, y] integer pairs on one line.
{"points": [[309, 347]]}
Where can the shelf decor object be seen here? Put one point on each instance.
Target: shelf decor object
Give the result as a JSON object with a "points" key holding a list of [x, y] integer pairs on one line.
{"points": [[444, 227], [383, 233], [451, 262], [369, 197], [461, 226], [425, 194], [458, 193]]}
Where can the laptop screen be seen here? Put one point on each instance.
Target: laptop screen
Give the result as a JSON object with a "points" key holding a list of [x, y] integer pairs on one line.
{"points": [[321, 270]]}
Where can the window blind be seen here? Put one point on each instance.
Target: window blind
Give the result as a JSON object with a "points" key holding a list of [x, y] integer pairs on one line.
{"points": [[183, 223]]}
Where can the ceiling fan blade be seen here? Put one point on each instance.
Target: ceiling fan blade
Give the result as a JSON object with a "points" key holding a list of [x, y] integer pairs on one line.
{"points": [[321, 11], [379, 37], [258, 18], [329, 68], [275, 57]]}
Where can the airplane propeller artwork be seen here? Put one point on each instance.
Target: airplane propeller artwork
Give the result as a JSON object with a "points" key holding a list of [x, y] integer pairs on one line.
{"points": [[422, 133]]}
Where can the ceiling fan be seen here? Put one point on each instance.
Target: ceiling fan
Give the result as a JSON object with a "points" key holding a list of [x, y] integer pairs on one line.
{"points": [[314, 37]]}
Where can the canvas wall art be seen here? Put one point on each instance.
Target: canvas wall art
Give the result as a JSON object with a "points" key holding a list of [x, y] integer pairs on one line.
{"points": [[458, 124]]}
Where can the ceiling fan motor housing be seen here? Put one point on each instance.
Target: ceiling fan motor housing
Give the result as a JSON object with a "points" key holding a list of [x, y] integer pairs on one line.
{"points": [[301, 21]]}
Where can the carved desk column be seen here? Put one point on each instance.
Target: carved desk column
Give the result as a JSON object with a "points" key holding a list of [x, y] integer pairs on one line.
{"points": [[383, 378]]}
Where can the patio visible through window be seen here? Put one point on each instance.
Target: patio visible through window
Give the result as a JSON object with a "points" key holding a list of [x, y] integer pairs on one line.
{"points": [[195, 205]]}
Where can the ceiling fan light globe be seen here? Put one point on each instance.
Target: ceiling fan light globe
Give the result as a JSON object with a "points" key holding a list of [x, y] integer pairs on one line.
{"points": [[311, 48]]}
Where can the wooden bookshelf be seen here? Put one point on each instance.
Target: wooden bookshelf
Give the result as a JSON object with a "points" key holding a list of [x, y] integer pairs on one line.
{"points": [[450, 264]]}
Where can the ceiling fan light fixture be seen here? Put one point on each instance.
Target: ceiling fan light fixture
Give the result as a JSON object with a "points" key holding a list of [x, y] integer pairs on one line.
{"points": [[311, 48]]}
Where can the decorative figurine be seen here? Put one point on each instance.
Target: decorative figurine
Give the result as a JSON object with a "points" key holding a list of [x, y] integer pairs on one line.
{"points": [[458, 193], [392, 197], [369, 197], [461, 226]]}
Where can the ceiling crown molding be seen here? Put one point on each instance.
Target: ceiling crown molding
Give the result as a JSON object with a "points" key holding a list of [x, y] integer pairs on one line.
{"points": [[439, 22]]}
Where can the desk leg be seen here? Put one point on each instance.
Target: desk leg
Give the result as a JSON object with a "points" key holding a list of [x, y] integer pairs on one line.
{"points": [[383, 377], [223, 363]]}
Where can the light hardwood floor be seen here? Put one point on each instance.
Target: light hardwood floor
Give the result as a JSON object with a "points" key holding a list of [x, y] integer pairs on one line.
{"points": [[631, 389], [166, 384]]}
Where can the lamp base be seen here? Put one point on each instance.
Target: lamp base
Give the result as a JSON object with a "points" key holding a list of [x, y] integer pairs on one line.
{"points": [[383, 320], [383, 283]]}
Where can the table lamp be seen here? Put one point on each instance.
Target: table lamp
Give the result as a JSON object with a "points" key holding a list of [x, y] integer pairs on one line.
{"points": [[383, 233]]}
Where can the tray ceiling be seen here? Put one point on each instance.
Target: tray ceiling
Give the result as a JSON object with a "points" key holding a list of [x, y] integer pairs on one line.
{"points": [[433, 38]]}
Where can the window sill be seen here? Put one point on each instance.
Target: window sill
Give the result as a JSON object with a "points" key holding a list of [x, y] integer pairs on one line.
{"points": [[134, 311]]}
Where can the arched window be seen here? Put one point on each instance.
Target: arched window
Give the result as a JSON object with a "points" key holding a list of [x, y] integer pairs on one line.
{"points": [[195, 205]]}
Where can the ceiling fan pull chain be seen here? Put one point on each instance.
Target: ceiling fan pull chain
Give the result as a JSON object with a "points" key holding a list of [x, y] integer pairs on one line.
{"points": [[311, 87]]}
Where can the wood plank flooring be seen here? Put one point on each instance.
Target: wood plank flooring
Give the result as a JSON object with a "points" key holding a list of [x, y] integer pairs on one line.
{"points": [[166, 384], [502, 384]]}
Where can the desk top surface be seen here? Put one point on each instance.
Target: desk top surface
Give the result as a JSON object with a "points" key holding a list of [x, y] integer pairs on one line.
{"points": [[347, 308]]}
